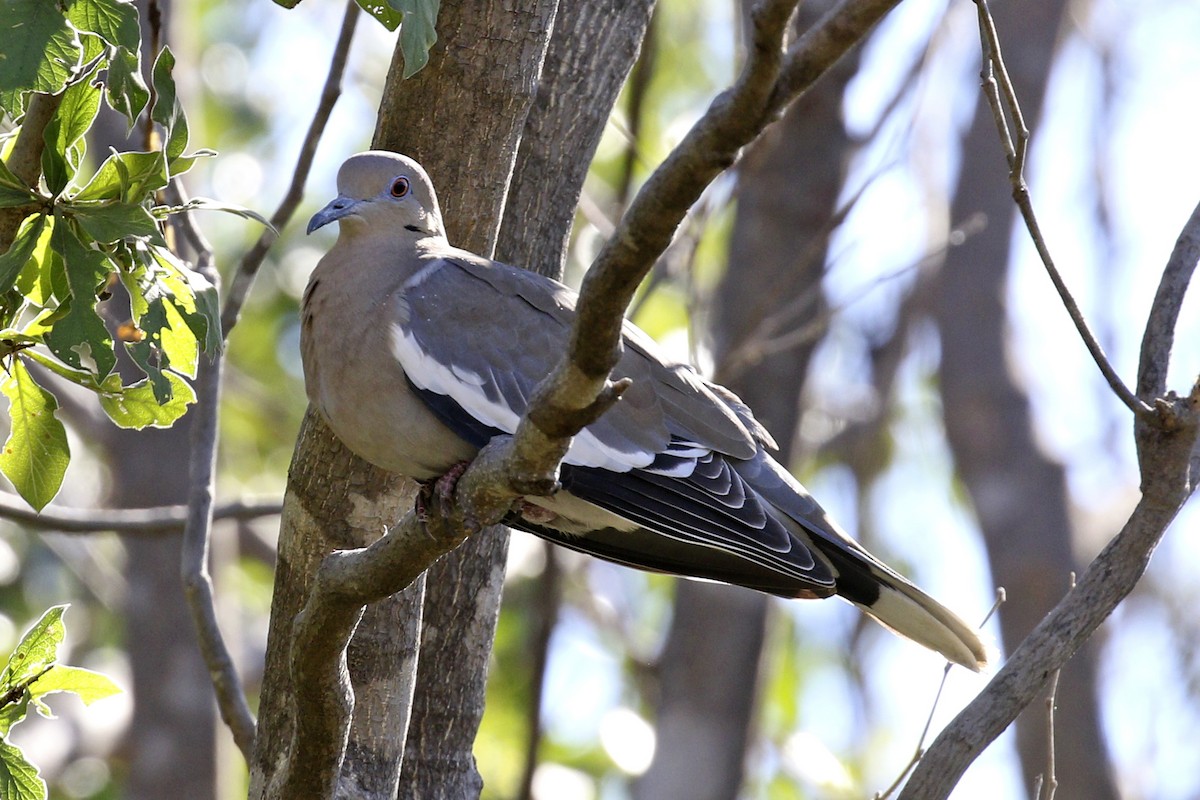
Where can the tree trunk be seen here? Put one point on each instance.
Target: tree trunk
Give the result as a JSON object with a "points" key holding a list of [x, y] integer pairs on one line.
{"points": [[788, 184], [466, 136], [1019, 494], [588, 56]]}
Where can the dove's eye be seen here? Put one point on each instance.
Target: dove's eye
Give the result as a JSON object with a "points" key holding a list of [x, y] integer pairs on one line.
{"points": [[400, 187]]}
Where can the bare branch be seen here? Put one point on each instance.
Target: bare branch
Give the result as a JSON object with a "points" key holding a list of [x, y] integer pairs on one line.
{"points": [[734, 119], [197, 530], [1104, 584], [995, 78], [148, 521], [920, 751], [25, 160], [1160, 327], [243, 277], [1048, 779], [194, 558], [823, 45]]}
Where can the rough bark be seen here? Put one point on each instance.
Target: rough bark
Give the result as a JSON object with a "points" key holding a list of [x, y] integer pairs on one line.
{"points": [[788, 184], [1019, 493], [469, 128], [334, 500]]}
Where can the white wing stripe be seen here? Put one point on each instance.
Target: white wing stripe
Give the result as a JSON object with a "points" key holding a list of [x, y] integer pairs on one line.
{"points": [[464, 386]]}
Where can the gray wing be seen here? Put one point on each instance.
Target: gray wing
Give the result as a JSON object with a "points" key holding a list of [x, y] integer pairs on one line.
{"points": [[484, 334]]}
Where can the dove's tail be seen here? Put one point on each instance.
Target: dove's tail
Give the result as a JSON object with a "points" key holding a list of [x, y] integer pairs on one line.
{"points": [[902, 607]]}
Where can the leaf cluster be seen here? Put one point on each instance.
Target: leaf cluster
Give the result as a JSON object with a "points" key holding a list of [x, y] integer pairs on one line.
{"points": [[85, 231], [32, 672]]}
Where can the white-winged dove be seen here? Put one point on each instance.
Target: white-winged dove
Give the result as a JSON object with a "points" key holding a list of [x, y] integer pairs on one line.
{"points": [[417, 353]]}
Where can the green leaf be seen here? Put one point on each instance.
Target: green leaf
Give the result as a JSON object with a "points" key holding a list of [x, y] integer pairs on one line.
{"points": [[34, 280], [19, 780], [206, 204], [8, 179], [127, 92], [64, 134], [36, 454], [13, 191], [80, 337], [94, 49], [21, 251], [418, 32], [54, 162], [77, 111], [179, 342], [382, 11], [113, 222], [10, 198], [113, 21], [37, 650], [128, 177], [13, 712], [111, 385], [194, 296], [167, 110], [41, 51], [88, 685], [138, 407], [147, 352]]}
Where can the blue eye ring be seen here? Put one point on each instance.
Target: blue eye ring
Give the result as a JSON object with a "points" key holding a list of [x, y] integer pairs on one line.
{"points": [[400, 187]]}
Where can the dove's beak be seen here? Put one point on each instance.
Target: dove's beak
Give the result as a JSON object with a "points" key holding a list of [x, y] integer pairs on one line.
{"points": [[341, 206]]}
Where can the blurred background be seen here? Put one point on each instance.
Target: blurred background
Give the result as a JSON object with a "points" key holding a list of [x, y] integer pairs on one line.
{"points": [[857, 278]]}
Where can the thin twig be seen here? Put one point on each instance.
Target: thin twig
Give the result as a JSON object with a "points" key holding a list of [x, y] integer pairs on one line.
{"points": [[920, 749], [735, 117], [1048, 781], [637, 87], [197, 530], [770, 335], [247, 269], [995, 79], [149, 521]]}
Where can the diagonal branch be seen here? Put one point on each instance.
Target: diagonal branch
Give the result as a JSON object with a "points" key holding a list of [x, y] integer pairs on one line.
{"points": [[1160, 327], [996, 80], [25, 159], [243, 278]]}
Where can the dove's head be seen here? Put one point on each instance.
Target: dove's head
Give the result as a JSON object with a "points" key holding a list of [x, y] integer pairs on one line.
{"points": [[380, 190]]}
